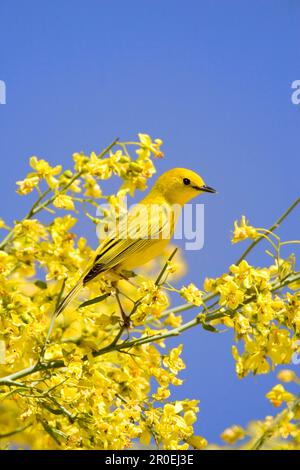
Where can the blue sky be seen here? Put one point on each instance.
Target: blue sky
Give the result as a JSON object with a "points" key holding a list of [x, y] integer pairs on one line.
{"points": [[213, 80]]}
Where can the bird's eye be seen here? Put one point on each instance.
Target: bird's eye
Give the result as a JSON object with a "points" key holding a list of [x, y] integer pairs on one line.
{"points": [[186, 181]]}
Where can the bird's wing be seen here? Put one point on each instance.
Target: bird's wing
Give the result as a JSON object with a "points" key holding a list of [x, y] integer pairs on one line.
{"points": [[142, 228]]}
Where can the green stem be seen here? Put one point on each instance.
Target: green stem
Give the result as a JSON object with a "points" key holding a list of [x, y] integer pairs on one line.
{"points": [[16, 431], [30, 214], [31, 370], [271, 229], [186, 326], [269, 433], [38, 206], [187, 306], [159, 278], [71, 181], [11, 383], [138, 342]]}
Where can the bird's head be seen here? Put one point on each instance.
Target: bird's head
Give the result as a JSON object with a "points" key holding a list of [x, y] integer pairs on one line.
{"points": [[180, 185]]}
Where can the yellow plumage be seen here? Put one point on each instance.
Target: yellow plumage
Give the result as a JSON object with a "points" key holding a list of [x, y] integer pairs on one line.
{"points": [[146, 231]]}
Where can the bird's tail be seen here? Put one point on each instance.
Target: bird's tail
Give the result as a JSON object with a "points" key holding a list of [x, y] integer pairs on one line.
{"points": [[74, 291], [60, 308], [68, 299]]}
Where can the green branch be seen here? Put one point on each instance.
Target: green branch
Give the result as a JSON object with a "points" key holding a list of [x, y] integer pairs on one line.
{"points": [[38, 206], [271, 229], [270, 431], [12, 379], [188, 306], [15, 431], [39, 366], [113, 346], [159, 278]]}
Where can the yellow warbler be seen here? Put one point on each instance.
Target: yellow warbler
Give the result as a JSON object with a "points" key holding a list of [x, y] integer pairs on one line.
{"points": [[147, 229]]}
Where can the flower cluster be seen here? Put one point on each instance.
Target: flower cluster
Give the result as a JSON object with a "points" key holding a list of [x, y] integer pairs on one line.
{"points": [[274, 432], [83, 393], [104, 379], [266, 323]]}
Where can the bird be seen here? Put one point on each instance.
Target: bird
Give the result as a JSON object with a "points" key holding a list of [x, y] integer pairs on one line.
{"points": [[146, 230]]}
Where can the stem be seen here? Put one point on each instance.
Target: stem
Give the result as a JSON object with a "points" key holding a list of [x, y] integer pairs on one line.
{"points": [[10, 235], [290, 242], [38, 206], [159, 278], [186, 326], [71, 181], [268, 433], [10, 383], [49, 201], [271, 229], [32, 210], [113, 346], [31, 370], [187, 306], [16, 431], [150, 339]]}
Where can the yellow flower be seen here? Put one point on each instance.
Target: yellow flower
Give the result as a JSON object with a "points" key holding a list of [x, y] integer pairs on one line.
{"points": [[171, 426], [148, 146], [230, 294], [287, 428], [286, 375], [191, 294], [63, 201], [173, 320], [101, 168], [105, 401], [136, 174], [2, 224], [190, 417], [209, 284], [279, 345], [80, 162], [283, 267], [161, 394], [69, 394], [145, 437], [92, 188], [153, 303], [243, 231], [241, 324], [242, 274], [2, 351], [6, 263], [27, 185], [197, 442], [233, 434], [278, 394], [65, 179], [140, 315], [173, 361], [45, 171], [32, 228]]}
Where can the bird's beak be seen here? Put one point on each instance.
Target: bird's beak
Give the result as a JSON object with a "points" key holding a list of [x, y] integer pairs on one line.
{"points": [[206, 189]]}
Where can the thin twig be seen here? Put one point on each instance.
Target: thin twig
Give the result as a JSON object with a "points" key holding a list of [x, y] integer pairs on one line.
{"points": [[16, 431], [10, 380], [159, 278], [269, 432], [143, 340], [271, 229], [37, 207]]}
